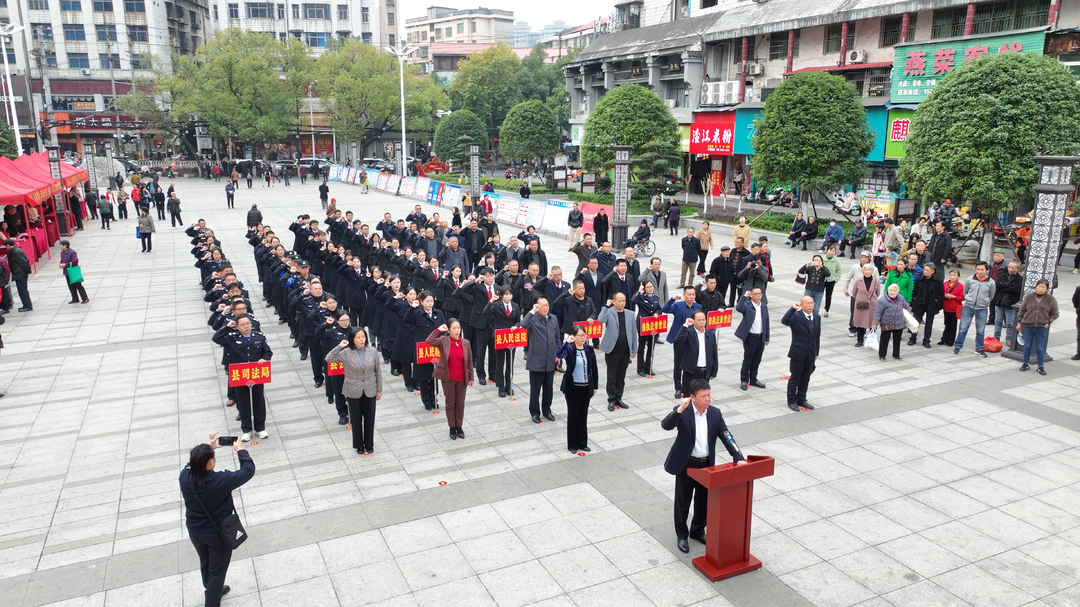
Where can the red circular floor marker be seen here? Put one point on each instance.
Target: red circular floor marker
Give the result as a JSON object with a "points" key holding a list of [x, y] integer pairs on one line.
{"points": [[348, 427], [434, 412], [513, 399], [581, 454], [254, 443], [785, 377], [441, 483]]}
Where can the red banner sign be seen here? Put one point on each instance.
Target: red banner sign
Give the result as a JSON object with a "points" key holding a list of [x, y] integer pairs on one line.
{"points": [[653, 325], [594, 328], [718, 319], [426, 353], [335, 369], [506, 339], [242, 374], [713, 133]]}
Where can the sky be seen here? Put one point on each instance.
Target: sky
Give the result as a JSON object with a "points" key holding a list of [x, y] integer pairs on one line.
{"points": [[536, 13]]}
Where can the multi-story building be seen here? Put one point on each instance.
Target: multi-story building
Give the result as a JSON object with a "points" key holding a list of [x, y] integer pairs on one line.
{"points": [[441, 24], [715, 68], [373, 21], [77, 55]]}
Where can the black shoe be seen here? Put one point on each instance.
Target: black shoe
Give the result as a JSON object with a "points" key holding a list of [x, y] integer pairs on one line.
{"points": [[225, 590], [757, 384], [237, 417], [858, 344], [698, 538], [684, 546], [460, 433], [955, 350], [73, 301], [536, 419], [26, 309], [911, 342], [678, 394], [644, 374], [942, 343], [1024, 367], [793, 407], [304, 357], [926, 344], [502, 393], [611, 406], [453, 433], [318, 383], [807, 405], [981, 353], [622, 405], [342, 420], [1041, 371], [429, 406], [550, 416], [742, 387], [329, 400], [585, 448]]}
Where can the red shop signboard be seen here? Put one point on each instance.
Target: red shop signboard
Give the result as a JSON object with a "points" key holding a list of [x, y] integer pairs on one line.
{"points": [[713, 133]]}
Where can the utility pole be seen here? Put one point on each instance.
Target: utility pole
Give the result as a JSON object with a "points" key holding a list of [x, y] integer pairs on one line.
{"points": [[9, 30], [401, 54]]}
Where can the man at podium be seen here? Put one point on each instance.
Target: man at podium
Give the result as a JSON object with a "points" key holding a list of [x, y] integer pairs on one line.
{"points": [[699, 427]]}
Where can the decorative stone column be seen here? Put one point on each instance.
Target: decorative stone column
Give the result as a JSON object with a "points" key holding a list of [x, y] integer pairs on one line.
{"points": [[621, 189], [474, 172]]}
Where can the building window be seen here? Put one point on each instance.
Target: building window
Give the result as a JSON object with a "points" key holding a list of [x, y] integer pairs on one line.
{"points": [[423, 36], [474, 26], [138, 33], [390, 18], [751, 49], [134, 6], [215, 13], [1031, 13], [39, 5], [449, 32], [391, 40], [74, 32], [877, 81], [778, 45], [890, 30], [259, 10], [461, 28], [438, 33], [103, 6], [365, 37], [71, 5], [281, 11], [832, 37], [10, 57], [318, 39], [708, 3], [41, 31], [109, 61], [676, 93], [78, 60], [949, 22], [50, 59], [316, 11], [343, 12], [1011, 15], [138, 63], [106, 33], [234, 11], [296, 11], [364, 16]]}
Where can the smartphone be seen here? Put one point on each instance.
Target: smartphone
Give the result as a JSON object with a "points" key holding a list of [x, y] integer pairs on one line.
{"points": [[226, 441]]}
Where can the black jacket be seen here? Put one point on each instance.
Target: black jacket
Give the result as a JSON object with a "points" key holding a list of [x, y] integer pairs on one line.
{"points": [[528, 258], [20, 265], [686, 351], [254, 217], [684, 443], [241, 350], [601, 225], [691, 246], [710, 300], [575, 310], [940, 247], [1009, 288], [569, 355], [612, 284], [723, 270], [805, 336], [928, 294], [216, 494]]}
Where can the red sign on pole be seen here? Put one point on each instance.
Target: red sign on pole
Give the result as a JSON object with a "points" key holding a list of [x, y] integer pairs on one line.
{"points": [[653, 325], [593, 328], [718, 319], [426, 353], [243, 374], [506, 339], [335, 369]]}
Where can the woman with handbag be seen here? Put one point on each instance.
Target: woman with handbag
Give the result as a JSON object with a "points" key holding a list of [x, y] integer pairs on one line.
{"points": [[952, 306], [865, 291], [579, 385], [69, 262], [1037, 312], [362, 387], [212, 524], [889, 320], [455, 369]]}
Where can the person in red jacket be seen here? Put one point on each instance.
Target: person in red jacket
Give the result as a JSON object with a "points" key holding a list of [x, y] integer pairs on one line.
{"points": [[951, 307]]}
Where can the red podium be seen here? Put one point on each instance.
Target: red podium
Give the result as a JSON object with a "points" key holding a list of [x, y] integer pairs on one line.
{"points": [[731, 499]]}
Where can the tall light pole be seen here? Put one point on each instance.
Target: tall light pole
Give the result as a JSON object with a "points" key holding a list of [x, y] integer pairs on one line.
{"points": [[311, 109], [401, 54], [5, 31]]}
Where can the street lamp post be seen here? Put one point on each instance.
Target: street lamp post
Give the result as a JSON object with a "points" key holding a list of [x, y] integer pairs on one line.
{"points": [[311, 109], [401, 54], [5, 31]]}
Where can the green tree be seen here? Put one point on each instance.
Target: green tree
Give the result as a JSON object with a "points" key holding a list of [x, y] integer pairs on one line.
{"points": [[486, 84], [559, 99], [536, 79], [152, 100], [358, 85], [628, 115], [812, 132], [976, 135], [529, 132], [455, 132], [7, 141], [295, 64], [654, 167]]}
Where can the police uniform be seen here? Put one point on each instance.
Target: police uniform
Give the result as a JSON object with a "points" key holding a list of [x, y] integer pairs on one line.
{"points": [[250, 349]]}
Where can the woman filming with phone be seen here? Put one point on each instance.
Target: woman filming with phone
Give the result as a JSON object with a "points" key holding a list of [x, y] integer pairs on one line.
{"points": [[362, 386], [212, 525]]}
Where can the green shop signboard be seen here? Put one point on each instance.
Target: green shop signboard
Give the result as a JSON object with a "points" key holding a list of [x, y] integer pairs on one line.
{"points": [[917, 68], [897, 132]]}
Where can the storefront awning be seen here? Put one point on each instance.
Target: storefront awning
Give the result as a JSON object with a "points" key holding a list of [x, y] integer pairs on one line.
{"points": [[841, 68]]}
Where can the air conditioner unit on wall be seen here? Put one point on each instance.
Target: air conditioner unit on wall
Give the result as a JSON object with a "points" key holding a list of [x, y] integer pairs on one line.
{"points": [[712, 93], [85, 71], [856, 56], [671, 103], [755, 69]]}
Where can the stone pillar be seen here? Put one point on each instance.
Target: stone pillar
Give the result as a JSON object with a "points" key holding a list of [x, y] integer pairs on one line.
{"points": [[742, 73], [609, 76], [474, 171], [790, 50], [905, 23], [969, 23], [654, 74], [693, 76], [621, 190], [843, 43], [64, 219]]}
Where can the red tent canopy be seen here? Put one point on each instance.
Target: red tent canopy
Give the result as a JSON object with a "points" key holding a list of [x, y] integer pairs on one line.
{"points": [[34, 188], [15, 195], [71, 175]]}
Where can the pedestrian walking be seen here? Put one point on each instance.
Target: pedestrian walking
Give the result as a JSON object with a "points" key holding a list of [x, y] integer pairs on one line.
{"points": [[362, 387], [208, 504], [146, 231], [1037, 312], [174, 210], [324, 194], [159, 204], [704, 237], [248, 175], [579, 384], [805, 346], [230, 194], [673, 217], [69, 263], [20, 272], [105, 209], [455, 370]]}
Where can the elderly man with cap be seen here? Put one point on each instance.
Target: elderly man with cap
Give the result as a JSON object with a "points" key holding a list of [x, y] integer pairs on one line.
{"points": [[855, 239], [855, 273]]}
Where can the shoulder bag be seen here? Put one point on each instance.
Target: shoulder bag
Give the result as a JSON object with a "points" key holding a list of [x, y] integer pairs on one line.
{"points": [[74, 275], [231, 530]]}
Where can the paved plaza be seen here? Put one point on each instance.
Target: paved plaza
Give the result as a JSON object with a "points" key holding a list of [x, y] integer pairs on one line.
{"points": [[937, 481]]}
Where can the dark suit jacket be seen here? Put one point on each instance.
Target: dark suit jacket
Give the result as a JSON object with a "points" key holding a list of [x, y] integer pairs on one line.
{"points": [[805, 336], [686, 351], [684, 441], [747, 309]]}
